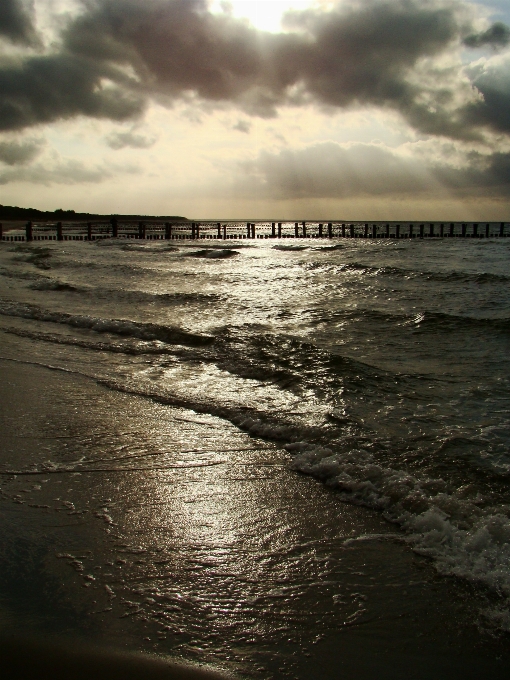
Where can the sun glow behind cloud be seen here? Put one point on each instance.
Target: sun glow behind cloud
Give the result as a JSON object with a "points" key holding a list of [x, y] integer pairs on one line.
{"points": [[265, 15]]}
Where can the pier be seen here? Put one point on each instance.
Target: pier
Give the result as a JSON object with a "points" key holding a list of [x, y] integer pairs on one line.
{"points": [[235, 229]]}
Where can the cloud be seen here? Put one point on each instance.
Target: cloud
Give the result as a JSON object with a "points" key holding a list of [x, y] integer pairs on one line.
{"points": [[120, 140], [392, 54], [19, 153], [63, 171], [242, 126], [497, 35], [330, 170], [16, 23], [492, 80], [41, 89]]}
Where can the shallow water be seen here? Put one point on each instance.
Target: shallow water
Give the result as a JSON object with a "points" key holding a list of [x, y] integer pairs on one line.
{"points": [[379, 368]]}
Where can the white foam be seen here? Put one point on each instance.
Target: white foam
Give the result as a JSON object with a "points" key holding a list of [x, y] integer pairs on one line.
{"points": [[462, 538]]}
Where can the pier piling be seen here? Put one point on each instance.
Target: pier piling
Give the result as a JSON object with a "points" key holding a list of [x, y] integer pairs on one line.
{"points": [[296, 229], [304, 229], [464, 228], [60, 236], [330, 229], [279, 229], [28, 231]]}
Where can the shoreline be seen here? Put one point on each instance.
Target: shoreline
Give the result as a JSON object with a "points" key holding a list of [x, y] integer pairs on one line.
{"points": [[366, 606]]}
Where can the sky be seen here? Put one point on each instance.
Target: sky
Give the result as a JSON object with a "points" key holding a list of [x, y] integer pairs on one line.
{"points": [[262, 109]]}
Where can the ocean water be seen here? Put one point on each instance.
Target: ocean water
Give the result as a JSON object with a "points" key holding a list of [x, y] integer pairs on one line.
{"points": [[262, 410]]}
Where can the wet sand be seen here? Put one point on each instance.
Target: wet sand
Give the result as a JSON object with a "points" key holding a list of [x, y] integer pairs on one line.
{"points": [[130, 525]]}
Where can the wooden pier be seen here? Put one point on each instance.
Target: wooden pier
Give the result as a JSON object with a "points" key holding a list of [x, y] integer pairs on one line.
{"points": [[232, 229]]}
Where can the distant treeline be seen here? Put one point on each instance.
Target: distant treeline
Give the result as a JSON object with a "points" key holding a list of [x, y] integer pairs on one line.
{"points": [[9, 212]]}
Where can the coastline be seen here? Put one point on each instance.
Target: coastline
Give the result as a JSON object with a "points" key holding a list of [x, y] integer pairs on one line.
{"points": [[224, 557]]}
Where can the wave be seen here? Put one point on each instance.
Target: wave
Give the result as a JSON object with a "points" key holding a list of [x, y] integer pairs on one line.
{"points": [[123, 327], [450, 526], [52, 285], [213, 253], [434, 322], [453, 276]]}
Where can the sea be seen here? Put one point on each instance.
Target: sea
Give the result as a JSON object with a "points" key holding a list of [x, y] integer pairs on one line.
{"points": [[273, 457]]}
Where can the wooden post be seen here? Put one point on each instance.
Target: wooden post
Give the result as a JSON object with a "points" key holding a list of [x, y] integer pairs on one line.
{"points": [[343, 230], [352, 230], [320, 230], [441, 230], [330, 229], [89, 231], [387, 231], [28, 231], [60, 236], [374, 231], [273, 232], [487, 228], [168, 231], [464, 226], [219, 229], [304, 229], [141, 229], [224, 231], [253, 230], [197, 230], [411, 231], [366, 230], [422, 229], [296, 229], [397, 231], [431, 230], [279, 230], [452, 227], [502, 229], [475, 231], [192, 230], [115, 231]]}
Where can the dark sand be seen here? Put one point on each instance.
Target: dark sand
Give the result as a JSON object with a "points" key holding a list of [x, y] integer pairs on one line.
{"points": [[204, 548]]}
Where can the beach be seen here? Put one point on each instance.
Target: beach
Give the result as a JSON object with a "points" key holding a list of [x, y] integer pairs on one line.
{"points": [[289, 461]]}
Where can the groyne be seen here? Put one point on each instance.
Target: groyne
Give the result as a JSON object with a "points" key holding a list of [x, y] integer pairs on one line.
{"points": [[232, 229]]}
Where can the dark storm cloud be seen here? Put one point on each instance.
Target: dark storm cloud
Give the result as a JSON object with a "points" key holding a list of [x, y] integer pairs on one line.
{"points": [[328, 170], [41, 89], [493, 109], [16, 23], [19, 153], [498, 35], [367, 53]]}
